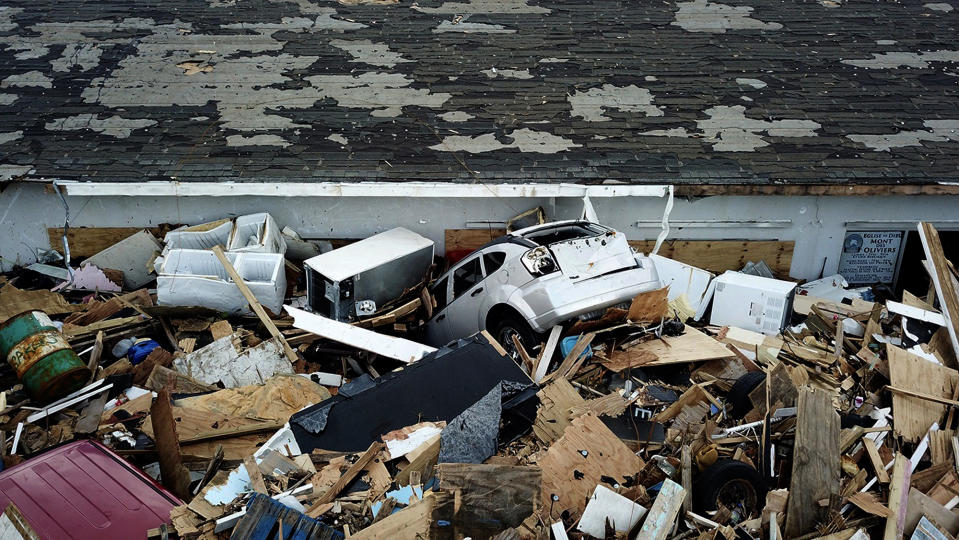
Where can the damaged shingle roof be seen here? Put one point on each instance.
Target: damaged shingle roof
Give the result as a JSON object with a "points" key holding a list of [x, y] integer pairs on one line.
{"points": [[498, 90]]}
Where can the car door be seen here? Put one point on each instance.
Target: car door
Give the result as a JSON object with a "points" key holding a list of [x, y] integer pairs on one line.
{"points": [[438, 329], [463, 312]]}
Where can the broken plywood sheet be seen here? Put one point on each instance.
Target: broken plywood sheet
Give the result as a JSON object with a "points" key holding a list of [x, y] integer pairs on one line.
{"points": [[220, 361], [553, 415], [400, 349], [588, 454], [649, 307], [277, 399], [14, 301], [691, 346], [912, 416]]}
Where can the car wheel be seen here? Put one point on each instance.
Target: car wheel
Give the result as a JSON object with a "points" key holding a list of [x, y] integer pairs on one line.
{"points": [[738, 395], [732, 483], [510, 325]]}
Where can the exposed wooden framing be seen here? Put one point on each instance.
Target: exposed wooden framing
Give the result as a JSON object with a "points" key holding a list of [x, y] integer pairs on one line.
{"points": [[255, 304]]}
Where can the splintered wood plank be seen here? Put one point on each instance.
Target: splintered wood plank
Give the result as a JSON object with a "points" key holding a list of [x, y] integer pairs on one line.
{"points": [[553, 415], [572, 467], [912, 415], [659, 521], [717, 256], [88, 241], [174, 475], [360, 464], [898, 492], [691, 346], [816, 462], [943, 280], [877, 464]]}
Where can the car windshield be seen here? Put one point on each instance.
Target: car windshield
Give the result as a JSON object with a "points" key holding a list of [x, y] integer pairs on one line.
{"points": [[571, 231]]}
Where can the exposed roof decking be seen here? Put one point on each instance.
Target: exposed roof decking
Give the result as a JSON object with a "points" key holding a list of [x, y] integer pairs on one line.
{"points": [[503, 91]]}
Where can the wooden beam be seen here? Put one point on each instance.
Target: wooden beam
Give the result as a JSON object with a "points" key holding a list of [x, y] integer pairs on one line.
{"points": [[898, 493], [661, 517], [876, 460], [816, 462], [942, 279], [173, 474], [255, 304], [921, 395], [546, 355]]}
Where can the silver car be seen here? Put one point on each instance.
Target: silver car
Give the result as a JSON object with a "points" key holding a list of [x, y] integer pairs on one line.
{"points": [[526, 282]]}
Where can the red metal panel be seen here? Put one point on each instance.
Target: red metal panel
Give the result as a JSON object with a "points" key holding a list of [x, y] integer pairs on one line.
{"points": [[84, 490]]}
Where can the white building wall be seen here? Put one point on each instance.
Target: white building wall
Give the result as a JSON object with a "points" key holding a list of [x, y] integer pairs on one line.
{"points": [[816, 224]]}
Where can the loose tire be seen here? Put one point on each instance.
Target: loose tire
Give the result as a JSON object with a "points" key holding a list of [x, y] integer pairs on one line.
{"points": [[733, 483]]}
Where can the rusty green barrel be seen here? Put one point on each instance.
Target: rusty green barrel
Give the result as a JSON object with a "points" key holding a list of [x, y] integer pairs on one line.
{"points": [[41, 356]]}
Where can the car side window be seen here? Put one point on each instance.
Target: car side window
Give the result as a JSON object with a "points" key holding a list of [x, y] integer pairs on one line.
{"points": [[466, 276], [439, 293], [493, 261]]}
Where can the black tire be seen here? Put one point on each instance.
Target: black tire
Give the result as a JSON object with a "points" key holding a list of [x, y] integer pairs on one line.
{"points": [[509, 324], [733, 483], [738, 396]]}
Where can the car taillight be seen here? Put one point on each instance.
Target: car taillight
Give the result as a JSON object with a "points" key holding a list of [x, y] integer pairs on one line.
{"points": [[539, 262]]}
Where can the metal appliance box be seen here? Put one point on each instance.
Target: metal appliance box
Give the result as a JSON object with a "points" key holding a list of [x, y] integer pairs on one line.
{"points": [[368, 273], [752, 302]]}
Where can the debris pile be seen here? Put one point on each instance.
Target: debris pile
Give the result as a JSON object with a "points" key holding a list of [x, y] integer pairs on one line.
{"points": [[272, 398]]}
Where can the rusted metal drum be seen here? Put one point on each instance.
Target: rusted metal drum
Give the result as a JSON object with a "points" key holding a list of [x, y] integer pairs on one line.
{"points": [[41, 356]]}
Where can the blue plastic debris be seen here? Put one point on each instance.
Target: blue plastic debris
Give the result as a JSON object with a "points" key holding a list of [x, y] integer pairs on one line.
{"points": [[265, 517], [567, 344]]}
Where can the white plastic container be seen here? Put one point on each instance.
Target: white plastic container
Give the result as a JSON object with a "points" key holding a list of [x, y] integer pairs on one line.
{"points": [[195, 277], [751, 302]]}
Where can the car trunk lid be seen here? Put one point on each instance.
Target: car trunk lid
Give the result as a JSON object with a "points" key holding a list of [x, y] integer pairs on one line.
{"points": [[593, 256]]}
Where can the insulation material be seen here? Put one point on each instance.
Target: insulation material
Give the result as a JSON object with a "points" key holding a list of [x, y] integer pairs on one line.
{"points": [[221, 362]]}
